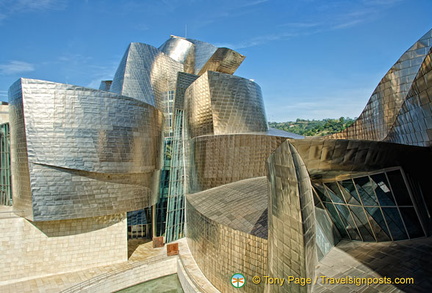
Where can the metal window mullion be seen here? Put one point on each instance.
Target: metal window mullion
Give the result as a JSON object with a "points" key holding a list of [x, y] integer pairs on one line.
{"points": [[412, 200], [380, 208], [397, 205], [337, 211], [327, 212], [350, 212], [362, 207]]}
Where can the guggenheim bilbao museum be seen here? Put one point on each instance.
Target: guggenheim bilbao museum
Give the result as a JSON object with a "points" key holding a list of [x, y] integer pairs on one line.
{"points": [[176, 145]]}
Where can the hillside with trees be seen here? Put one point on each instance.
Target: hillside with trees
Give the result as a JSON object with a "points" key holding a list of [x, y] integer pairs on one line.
{"points": [[314, 127]]}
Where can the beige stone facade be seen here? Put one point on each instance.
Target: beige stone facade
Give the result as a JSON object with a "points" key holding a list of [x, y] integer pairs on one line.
{"points": [[4, 113], [34, 249]]}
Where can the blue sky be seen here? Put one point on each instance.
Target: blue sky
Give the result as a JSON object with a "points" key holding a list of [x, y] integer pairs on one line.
{"points": [[313, 59]]}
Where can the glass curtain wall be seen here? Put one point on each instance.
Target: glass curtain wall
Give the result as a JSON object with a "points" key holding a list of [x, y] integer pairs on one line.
{"points": [[5, 174], [377, 207]]}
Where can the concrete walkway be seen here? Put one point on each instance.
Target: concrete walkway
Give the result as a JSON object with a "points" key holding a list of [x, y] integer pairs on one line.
{"points": [[140, 253], [399, 259]]}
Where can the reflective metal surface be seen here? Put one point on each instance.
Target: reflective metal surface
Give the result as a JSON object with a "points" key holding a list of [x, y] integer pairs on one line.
{"points": [[389, 101], [221, 159], [218, 103], [78, 152], [292, 232], [225, 225], [175, 121]]}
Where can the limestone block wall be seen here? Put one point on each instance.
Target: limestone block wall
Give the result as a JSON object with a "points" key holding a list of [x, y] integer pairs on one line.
{"points": [[32, 249]]}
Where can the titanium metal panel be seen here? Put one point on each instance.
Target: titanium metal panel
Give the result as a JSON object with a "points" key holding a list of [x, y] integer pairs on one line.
{"points": [[413, 125], [81, 152], [147, 74], [219, 249], [219, 103], [203, 51], [292, 232], [221, 159], [336, 160], [105, 85], [241, 205], [181, 50], [223, 60], [384, 106], [184, 80]]}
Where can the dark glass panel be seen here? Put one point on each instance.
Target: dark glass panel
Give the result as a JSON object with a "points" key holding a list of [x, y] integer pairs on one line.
{"points": [[348, 185], [334, 192], [399, 188], [412, 222], [395, 224], [340, 224], [382, 190], [350, 227], [321, 193], [378, 224], [362, 223], [365, 189], [317, 201]]}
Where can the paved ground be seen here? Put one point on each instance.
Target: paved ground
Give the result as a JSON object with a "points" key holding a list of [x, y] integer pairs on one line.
{"points": [[139, 252], [400, 259]]}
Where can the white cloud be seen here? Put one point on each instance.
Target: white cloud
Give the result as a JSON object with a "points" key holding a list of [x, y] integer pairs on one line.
{"points": [[11, 7], [16, 67]]}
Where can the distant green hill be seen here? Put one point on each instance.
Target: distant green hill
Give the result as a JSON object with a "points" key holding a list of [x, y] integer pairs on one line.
{"points": [[314, 127]]}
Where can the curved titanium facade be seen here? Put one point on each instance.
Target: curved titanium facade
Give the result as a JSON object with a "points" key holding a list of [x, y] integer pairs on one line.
{"points": [[218, 103], [292, 232], [355, 173], [146, 74], [79, 152], [227, 231], [221, 159], [384, 106], [376, 207], [413, 126], [202, 51], [223, 60]]}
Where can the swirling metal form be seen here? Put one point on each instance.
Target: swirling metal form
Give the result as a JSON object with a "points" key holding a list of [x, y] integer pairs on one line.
{"points": [[219, 103], [146, 74], [80, 152], [386, 102], [292, 232]]}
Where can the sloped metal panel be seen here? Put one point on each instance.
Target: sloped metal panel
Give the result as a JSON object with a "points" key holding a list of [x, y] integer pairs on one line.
{"points": [[83, 153], [382, 109], [145, 73], [221, 159], [223, 60], [413, 126], [292, 233], [181, 50], [219, 103]]}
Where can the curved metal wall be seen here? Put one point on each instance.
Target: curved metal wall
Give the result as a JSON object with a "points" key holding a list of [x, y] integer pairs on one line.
{"points": [[329, 160], [221, 251], [222, 159], [146, 74], [219, 103], [384, 106], [413, 126], [292, 232], [82, 152], [181, 50]]}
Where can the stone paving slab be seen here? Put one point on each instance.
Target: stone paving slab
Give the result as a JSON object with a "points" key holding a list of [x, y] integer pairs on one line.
{"points": [[399, 259], [140, 252]]}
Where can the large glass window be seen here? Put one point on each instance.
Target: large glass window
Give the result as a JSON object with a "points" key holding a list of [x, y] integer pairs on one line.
{"points": [[373, 207]]}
